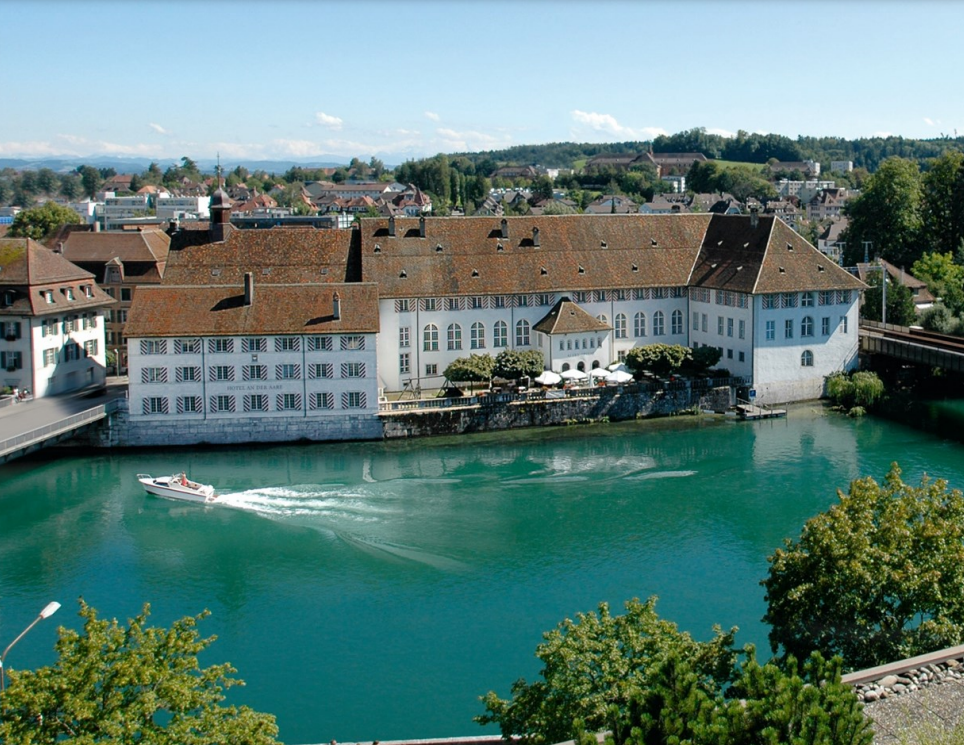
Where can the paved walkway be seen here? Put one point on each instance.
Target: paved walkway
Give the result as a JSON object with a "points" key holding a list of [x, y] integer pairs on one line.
{"points": [[26, 416]]}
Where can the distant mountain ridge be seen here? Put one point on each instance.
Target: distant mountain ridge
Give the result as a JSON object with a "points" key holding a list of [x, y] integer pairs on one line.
{"points": [[67, 163]]}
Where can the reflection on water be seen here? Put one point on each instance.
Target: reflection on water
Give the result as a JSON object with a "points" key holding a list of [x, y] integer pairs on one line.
{"points": [[374, 591]]}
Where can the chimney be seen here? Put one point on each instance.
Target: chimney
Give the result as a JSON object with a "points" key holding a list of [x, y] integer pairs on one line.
{"points": [[535, 237], [391, 226], [336, 307], [60, 248], [421, 227], [505, 228], [754, 217], [248, 288]]}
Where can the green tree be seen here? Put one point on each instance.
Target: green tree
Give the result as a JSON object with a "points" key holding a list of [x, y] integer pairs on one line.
{"points": [[901, 310], [512, 365], [70, 186], [595, 666], [661, 359], [944, 278], [875, 578], [143, 684], [39, 222], [475, 368], [942, 203], [887, 214], [90, 179]]}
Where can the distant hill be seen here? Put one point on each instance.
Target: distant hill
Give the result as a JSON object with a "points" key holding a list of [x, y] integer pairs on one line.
{"points": [[66, 164]]}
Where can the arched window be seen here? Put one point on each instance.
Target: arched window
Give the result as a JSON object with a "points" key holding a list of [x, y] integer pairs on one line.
{"points": [[522, 333], [595, 364], [454, 336], [659, 323], [602, 317], [806, 359], [806, 326], [620, 326], [477, 335], [581, 367], [430, 338], [639, 324], [565, 366], [500, 334], [677, 322]]}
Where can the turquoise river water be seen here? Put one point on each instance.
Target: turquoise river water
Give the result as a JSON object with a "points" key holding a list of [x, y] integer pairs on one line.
{"points": [[374, 591]]}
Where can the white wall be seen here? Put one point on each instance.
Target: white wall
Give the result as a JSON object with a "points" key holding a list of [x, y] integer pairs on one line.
{"points": [[778, 374]]}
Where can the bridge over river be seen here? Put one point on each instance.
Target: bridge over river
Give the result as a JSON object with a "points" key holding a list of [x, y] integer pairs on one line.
{"points": [[30, 425], [912, 345]]}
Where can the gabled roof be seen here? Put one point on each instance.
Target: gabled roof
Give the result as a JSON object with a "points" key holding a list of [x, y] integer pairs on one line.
{"points": [[768, 257], [29, 269], [286, 255], [468, 256], [177, 310], [126, 245], [566, 317]]}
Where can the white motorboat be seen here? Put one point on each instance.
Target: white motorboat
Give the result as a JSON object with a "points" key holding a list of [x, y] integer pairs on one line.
{"points": [[178, 486]]}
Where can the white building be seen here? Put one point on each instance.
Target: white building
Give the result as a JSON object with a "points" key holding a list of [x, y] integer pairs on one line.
{"points": [[255, 338], [841, 166], [51, 321], [780, 312], [169, 207], [117, 210]]}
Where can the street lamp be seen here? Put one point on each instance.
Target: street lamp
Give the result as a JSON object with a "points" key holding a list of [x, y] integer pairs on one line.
{"points": [[47, 612]]}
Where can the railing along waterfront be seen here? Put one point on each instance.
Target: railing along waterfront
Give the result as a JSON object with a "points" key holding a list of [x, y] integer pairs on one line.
{"points": [[53, 429], [698, 385]]}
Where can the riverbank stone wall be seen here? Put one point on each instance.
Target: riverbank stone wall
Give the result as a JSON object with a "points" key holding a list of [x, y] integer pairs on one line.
{"points": [[610, 405]]}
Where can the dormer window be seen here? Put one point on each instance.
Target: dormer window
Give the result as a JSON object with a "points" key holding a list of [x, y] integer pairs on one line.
{"points": [[8, 297], [69, 293], [48, 295], [88, 290]]}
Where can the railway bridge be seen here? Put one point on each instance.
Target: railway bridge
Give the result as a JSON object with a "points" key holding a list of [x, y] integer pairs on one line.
{"points": [[913, 345]]}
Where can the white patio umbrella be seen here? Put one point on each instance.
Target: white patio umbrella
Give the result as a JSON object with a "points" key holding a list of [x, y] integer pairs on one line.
{"points": [[599, 372], [548, 377], [618, 366], [573, 374], [620, 376]]}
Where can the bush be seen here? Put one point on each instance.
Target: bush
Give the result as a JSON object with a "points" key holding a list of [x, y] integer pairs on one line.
{"points": [[861, 389], [875, 578], [476, 368], [645, 682], [703, 358], [512, 365], [939, 319], [661, 359]]}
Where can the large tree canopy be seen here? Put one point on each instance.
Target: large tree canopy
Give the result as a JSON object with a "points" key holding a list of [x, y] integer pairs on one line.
{"points": [[39, 222], [137, 684], [646, 683], [876, 578], [887, 215]]}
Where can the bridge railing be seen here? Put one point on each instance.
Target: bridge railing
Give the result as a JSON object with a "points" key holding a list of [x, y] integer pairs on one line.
{"points": [[66, 424]]}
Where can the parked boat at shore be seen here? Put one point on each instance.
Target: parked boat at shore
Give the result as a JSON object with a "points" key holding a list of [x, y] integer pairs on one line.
{"points": [[178, 486]]}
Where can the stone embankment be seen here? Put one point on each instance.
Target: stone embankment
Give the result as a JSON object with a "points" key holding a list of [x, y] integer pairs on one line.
{"points": [[911, 680]]}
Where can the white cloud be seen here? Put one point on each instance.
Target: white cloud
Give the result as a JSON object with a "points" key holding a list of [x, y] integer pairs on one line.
{"points": [[432, 115], [326, 120], [606, 124], [882, 134], [30, 149], [471, 140], [720, 132], [158, 128]]}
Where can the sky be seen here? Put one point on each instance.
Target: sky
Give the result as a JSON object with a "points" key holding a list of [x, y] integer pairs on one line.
{"points": [[304, 80]]}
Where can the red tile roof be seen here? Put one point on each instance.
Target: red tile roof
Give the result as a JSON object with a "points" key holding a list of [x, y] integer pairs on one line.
{"points": [[171, 310], [29, 268], [461, 256], [568, 318]]}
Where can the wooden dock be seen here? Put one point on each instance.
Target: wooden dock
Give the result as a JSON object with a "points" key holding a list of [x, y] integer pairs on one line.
{"points": [[753, 412]]}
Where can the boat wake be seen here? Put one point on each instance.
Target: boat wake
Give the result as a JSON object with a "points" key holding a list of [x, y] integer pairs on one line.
{"points": [[357, 516]]}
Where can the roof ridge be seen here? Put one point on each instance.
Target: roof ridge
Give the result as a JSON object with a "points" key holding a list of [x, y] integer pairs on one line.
{"points": [[766, 251]]}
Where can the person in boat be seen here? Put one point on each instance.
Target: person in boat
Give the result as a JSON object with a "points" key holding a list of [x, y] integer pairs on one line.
{"points": [[183, 479]]}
